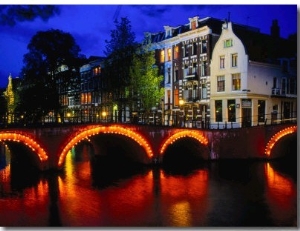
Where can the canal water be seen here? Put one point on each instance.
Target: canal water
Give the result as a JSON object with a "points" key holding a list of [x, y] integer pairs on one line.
{"points": [[88, 193]]}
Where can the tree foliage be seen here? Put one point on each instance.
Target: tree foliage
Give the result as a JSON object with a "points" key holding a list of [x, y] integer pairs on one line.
{"points": [[122, 39], [48, 50], [145, 84], [119, 50]]}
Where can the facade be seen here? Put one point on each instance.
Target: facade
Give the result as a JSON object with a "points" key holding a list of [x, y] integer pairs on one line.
{"points": [[184, 56], [216, 75], [246, 92], [67, 82], [92, 94]]}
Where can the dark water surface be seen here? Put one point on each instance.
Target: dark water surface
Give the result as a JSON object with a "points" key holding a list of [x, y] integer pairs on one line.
{"points": [[216, 194]]}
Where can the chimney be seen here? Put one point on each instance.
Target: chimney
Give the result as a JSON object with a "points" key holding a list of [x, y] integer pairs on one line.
{"points": [[275, 30]]}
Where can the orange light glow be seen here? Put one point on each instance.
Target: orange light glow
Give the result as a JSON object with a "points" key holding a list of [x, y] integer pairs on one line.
{"points": [[192, 134], [29, 142], [277, 137], [281, 190], [91, 131]]}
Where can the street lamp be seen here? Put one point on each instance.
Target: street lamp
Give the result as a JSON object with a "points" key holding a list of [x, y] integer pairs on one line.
{"points": [[181, 103], [104, 114]]}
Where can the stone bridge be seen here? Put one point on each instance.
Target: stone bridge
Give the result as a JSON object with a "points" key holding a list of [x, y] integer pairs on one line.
{"points": [[148, 144]]}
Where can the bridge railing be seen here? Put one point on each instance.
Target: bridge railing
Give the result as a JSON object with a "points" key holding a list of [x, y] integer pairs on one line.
{"points": [[157, 120]]}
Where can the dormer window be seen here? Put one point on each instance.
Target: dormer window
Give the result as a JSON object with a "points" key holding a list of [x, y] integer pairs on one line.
{"points": [[194, 23], [168, 31]]}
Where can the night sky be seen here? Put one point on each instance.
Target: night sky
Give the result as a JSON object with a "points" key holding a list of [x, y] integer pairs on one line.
{"points": [[90, 25]]}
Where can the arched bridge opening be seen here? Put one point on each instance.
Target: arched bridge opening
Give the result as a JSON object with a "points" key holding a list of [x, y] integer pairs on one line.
{"points": [[25, 152], [282, 150], [118, 149], [183, 149], [111, 144], [283, 144]]}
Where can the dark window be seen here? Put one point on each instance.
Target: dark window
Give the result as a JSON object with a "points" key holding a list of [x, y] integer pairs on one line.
{"points": [[261, 110], [231, 110], [218, 111]]}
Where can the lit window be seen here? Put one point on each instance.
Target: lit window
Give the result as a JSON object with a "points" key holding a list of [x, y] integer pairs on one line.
{"points": [[162, 56], [236, 82], [221, 83], [176, 97], [169, 54], [176, 50], [96, 71]]}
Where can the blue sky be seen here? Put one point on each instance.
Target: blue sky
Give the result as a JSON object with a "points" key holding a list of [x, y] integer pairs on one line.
{"points": [[90, 25]]}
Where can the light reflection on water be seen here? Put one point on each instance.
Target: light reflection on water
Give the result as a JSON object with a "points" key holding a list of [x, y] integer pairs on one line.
{"points": [[212, 195]]}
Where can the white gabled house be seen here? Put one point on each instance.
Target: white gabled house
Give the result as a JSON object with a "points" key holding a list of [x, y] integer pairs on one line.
{"points": [[245, 92]]}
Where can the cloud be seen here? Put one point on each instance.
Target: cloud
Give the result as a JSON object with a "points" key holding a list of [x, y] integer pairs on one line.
{"points": [[11, 14], [152, 11]]}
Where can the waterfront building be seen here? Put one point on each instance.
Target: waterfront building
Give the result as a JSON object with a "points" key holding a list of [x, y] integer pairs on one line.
{"points": [[68, 88], [93, 100], [184, 56], [248, 89]]}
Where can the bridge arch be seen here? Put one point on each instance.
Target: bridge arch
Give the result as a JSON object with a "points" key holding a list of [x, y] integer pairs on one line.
{"points": [[27, 140], [113, 129], [197, 135], [275, 138]]}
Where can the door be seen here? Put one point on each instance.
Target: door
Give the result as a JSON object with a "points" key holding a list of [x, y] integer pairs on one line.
{"points": [[246, 117]]}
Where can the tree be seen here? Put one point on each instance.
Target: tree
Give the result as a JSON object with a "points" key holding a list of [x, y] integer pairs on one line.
{"points": [[145, 82], [119, 50], [48, 50]]}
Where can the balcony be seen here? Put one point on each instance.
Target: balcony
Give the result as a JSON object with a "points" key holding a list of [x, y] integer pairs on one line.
{"points": [[276, 91], [290, 93], [190, 75]]}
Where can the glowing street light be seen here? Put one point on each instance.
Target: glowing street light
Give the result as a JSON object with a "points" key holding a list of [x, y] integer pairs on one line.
{"points": [[181, 102], [104, 114]]}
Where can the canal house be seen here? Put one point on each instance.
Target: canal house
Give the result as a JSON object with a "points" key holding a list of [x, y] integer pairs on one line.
{"points": [[247, 92]]}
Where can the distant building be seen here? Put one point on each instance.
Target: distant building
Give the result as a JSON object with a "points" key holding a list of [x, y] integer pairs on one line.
{"points": [[68, 87], [92, 95]]}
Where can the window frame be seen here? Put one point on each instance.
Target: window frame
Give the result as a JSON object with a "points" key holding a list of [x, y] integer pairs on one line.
{"points": [[221, 83]]}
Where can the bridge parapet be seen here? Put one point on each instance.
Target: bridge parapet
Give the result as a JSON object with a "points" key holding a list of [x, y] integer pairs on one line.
{"points": [[51, 144]]}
